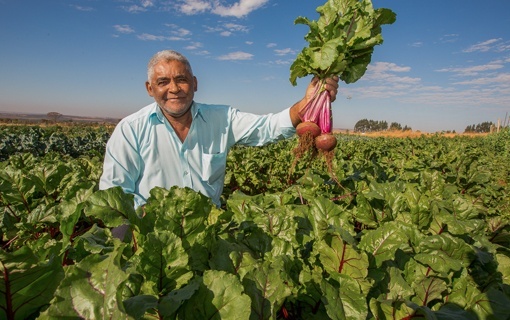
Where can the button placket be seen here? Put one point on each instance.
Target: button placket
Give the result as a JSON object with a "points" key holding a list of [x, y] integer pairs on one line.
{"points": [[186, 173]]}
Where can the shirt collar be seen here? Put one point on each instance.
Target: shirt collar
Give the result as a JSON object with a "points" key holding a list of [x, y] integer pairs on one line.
{"points": [[196, 110]]}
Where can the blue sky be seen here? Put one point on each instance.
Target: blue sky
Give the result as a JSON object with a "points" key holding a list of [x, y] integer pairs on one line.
{"points": [[443, 65]]}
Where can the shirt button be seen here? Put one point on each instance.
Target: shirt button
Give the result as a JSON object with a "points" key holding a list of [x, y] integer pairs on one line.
{"points": [[185, 172]]}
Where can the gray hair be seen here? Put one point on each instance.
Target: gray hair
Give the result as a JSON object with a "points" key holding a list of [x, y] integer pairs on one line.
{"points": [[167, 55]]}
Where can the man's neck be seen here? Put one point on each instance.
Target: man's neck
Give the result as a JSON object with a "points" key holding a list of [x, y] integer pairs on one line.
{"points": [[180, 124]]}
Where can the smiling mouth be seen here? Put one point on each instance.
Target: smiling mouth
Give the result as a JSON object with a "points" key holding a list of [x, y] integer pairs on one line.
{"points": [[174, 100], [174, 114]]}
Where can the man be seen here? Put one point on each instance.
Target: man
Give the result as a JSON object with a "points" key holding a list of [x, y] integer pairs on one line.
{"points": [[176, 141]]}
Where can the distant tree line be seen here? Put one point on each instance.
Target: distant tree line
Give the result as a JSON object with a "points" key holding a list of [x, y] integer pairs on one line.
{"points": [[366, 125], [479, 128]]}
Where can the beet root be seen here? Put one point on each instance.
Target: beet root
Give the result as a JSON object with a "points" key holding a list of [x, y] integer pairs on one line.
{"points": [[325, 142], [308, 127]]}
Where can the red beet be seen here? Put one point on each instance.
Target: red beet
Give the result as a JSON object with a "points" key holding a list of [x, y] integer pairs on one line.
{"points": [[305, 127], [325, 142]]}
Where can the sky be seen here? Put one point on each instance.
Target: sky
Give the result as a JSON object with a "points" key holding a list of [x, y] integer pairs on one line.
{"points": [[443, 65]]}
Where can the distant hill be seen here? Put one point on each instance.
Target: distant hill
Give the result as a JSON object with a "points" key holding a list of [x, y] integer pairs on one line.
{"points": [[40, 117]]}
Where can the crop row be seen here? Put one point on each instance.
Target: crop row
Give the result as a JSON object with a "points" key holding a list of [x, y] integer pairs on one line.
{"points": [[36, 140], [400, 228]]}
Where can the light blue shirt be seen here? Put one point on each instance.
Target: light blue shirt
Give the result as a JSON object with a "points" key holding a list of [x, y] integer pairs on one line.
{"points": [[144, 151]]}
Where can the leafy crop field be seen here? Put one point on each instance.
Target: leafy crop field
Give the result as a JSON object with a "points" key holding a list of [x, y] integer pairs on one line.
{"points": [[409, 228]]}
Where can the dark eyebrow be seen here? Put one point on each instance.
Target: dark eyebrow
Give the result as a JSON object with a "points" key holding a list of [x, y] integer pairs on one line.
{"points": [[163, 79], [179, 76]]}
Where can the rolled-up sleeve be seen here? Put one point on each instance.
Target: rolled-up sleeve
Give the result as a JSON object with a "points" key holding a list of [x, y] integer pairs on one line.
{"points": [[256, 130]]}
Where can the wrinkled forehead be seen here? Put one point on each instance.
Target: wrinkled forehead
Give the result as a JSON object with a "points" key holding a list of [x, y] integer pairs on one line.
{"points": [[170, 69]]}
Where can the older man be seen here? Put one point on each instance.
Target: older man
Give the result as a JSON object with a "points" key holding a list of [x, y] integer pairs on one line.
{"points": [[176, 141]]}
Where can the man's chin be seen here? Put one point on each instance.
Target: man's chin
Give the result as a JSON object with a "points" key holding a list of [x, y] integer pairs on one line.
{"points": [[176, 112]]}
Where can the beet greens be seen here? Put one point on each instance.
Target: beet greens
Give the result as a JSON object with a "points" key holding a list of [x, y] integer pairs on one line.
{"points": [[341, 42]]}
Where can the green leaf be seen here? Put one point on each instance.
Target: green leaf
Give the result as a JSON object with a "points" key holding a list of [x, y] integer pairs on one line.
{"points": [[69, 213], [137, 306], [357, 67], [325, 57], [183, 211], [450, 311], [16, 188], [338, 254], [332, 300], [491, 305], [382, 243], [345, 300], [26, 285], [267, 286], [398, 288], [324, 213], [428, 289], [504, 268], [226, 256], [163, 262], [112, 206], [220, 296], [444, 253], [390, 309], [89, 289], [48, 176], [170, 304], [419, 207], [341, 41], [310, 293], [95, 240]]}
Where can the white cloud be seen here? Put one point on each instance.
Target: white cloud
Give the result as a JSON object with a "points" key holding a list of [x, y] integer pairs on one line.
{"points": [[182, 32], [142, 7], [379, 67], [147, 3], [239, 9], [227, 29], [284, 52], [151, 37], [191, 7], [501, 78], [81, 8], [383, 82], [483, 46], [135, 9], [282, 62], [474, 70], [202, 53], [194, 46], [451, 96], [123, 28], [503, 47], [239, 55], [236, 27], [385, 72], [271, 45], [213, 29], [448, 38]]}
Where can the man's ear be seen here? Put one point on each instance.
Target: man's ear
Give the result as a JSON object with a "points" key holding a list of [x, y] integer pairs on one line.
{"points": [[149, 88], [195, 83]]}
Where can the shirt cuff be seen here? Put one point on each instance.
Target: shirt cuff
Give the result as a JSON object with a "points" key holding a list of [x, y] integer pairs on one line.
{"points": [[284, 119]]}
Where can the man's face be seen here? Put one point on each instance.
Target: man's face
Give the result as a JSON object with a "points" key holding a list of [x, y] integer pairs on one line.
{"points": [[172, 86]]}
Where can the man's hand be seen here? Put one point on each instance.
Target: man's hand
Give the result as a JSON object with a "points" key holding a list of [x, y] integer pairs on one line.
{"points": [[331, 85]]}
